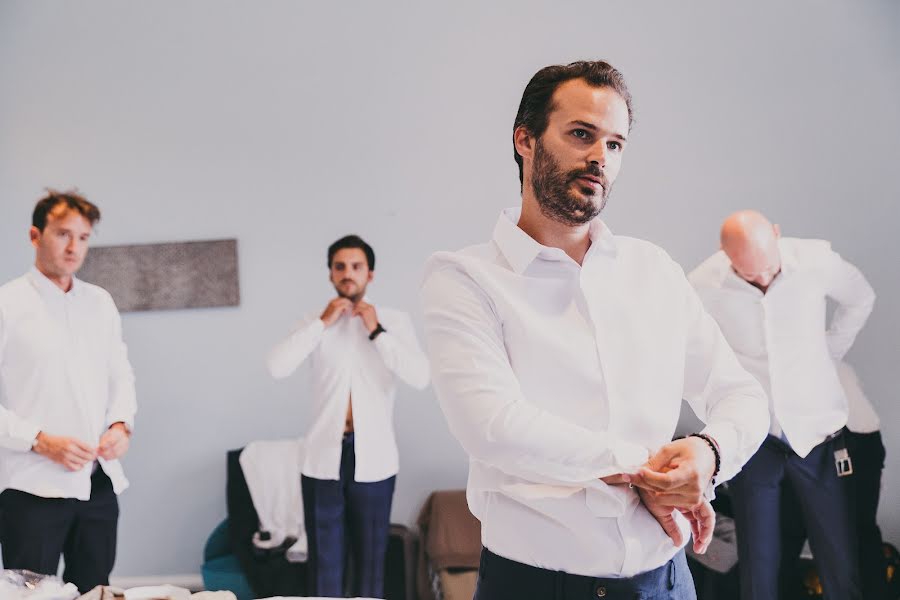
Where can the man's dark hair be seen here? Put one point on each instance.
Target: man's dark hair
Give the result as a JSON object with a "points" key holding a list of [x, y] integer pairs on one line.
{"points": [[352, 241], [537, 99], [73, 201]]}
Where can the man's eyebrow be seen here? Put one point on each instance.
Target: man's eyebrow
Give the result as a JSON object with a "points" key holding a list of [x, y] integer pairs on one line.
{"points": [[592, 127]]}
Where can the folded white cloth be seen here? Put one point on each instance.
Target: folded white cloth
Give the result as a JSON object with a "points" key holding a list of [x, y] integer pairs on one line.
{"points": [[272, 471]]}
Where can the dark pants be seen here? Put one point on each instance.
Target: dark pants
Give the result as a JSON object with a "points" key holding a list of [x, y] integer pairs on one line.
{"points": [[342, 512], [503, 579], [825, 506], [34, 531], [867, 454]]}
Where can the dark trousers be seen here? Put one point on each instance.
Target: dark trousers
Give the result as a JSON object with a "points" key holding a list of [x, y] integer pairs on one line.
{"points": [[342, 513], [34, 531], [504, 579], [867, 453], [825, 506]]}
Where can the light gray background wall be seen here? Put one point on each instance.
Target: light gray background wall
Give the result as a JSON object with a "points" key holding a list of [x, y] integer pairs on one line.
{"points": [[287, 124]]}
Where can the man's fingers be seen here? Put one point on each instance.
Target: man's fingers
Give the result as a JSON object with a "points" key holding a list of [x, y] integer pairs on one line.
{"points": [[663, 457], [662, 482], [705, 518], [682, 500], [81, 450], [670, 526], [73, 464]]}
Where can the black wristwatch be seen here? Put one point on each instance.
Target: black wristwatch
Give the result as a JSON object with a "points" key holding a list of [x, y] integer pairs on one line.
{"points": [[377, 331]]}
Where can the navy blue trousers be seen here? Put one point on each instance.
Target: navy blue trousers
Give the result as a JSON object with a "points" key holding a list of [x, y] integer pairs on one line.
{"points": [[346, 513], [825, 505], [35, 531], [500, 578], [867, 453]]}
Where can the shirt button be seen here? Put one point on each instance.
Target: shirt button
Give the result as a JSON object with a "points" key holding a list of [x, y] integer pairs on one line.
{"points": [[601, 592]]}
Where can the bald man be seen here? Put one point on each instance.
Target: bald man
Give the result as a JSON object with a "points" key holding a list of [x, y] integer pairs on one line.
{"points": [[768, 295]]}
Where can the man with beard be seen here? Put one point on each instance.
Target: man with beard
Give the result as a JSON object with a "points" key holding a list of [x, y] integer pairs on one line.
{"points": [[67, 405], [357, 353], [768, 295], [561, 354]]}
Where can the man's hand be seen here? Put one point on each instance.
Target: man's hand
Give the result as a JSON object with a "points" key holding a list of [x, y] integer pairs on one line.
{"points": [[366, 312], [679, 473], [335, 309], [702, 520], [664, 515], [114, 443], [69, 452]]}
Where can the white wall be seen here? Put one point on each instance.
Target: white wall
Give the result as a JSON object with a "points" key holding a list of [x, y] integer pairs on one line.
{"points": [[287, 124]]}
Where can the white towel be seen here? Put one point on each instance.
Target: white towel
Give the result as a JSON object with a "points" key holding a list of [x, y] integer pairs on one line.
{"points": [[272, 471]]}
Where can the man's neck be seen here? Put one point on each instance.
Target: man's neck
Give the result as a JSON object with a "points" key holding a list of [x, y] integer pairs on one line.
{"points": [[63, 282], [574, 240]]}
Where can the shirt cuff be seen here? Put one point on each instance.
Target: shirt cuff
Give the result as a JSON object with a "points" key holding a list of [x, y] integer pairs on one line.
{"points": [[22, 435], [127, 421], [628, 456]]}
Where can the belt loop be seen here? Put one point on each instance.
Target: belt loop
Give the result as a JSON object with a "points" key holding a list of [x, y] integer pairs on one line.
{"points": [[671, 574]]}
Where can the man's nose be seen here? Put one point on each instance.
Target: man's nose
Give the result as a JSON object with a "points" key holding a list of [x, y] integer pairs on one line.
{"points": [[597, 155]]}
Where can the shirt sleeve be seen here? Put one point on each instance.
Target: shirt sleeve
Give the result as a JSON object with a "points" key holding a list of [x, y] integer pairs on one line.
{"points": [[723, 395], [401, 353], [484, 404], [290, 353], [122, 396], [16, 433], [855, 298]]}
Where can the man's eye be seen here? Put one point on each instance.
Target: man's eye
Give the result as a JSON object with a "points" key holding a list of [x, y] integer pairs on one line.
{"points": [[580, 134], [614, 146]]}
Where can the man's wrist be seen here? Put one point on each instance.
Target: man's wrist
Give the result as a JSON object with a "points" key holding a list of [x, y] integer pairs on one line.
{"points": [[121, 425], [377, 331], [713, 447]]}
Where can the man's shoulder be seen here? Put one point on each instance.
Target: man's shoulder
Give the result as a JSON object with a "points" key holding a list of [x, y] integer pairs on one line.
{"points": [[475, 256], [711, 272], [640, 248], [15, 289], [95, 292], [643, 255], [806, 249]]}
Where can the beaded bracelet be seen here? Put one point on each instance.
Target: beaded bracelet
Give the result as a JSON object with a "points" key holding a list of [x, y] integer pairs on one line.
{"points": [[709, 441]]}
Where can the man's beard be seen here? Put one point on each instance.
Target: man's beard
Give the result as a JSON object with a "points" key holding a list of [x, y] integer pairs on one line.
{"points": [[552, 190], [354, 298]]}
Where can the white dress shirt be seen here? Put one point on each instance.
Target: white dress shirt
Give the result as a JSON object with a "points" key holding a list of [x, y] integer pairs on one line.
{"points": [[861, 415], [64, 370], [345, 362], [781, 336], [552, 375]]}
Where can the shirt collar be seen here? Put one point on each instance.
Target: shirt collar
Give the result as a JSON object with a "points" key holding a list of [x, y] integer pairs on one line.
{"points": [[520, 249], [789, 263], [47, 287]]}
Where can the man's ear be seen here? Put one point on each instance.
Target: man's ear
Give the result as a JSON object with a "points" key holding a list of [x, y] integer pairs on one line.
{"points": [[34, 234], [371, 276], [523, 142]]}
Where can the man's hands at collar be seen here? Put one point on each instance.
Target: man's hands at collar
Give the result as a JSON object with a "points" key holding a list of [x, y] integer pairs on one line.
{"points": [[340, 306]]}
